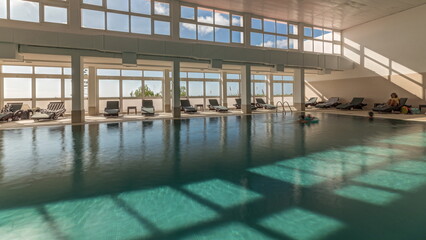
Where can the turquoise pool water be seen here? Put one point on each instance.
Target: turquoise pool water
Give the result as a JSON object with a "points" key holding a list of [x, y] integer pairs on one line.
{"points": [[236, 177]]}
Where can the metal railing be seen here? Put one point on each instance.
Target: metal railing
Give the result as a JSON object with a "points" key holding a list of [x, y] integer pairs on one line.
{"points": [[283, 105]]}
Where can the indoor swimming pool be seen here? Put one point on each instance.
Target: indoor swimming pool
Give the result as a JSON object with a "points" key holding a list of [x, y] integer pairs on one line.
{"points": [[252, 177]]}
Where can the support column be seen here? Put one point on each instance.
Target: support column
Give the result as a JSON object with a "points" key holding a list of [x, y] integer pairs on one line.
{"points": [[166, 94], [246, 89], [271, 89], [1, 88], [176, 89], [224, 93], [77, 112], [93, 93], [299, 89]]}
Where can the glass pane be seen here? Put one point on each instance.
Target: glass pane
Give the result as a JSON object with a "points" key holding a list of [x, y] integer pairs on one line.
{"points": [[153, 88], [307, 31], [117, 22], [195, 89], [318, 46], [187, 12], [183, 89], [233, 89], [288, 78], [282, 42], [131, 73], [183, 75], [205, 15], [48, 70], [93, 19], [222, 35], [55, 15], [162, 28], [318, 33], [3, 9], [277, 78], [188, 31], [161, 8], [108, 72], [68, 88], [48, 88], [212, 89], [260, 89], [67, 71], [256, 39], [288, 88], [328, 47], [308, 45], [17, 88], [269, 25], [282, 28], [132, 88], [93, 2], [24, 11], [141, 6], [233, 76], [195, 75], [17, 69], [158, 74], [292, 29], [141, 25], [337, 49], [120, 5], [269, 41], [278, 89], [256, 23], [328, 34], [237, 21], [109, 88], [293, 43], [337, 36], [259, 77], [221, 18], [205, 33], [237, 37], [212, 75]]}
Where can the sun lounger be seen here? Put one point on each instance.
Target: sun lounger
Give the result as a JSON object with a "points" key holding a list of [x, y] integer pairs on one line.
{"points": [[214, 105], [386, 108], [187, 107], [332, 102], [112, 109], [238, 104], [147, 107], [311, 102], [54, 111], [356, 103], [262, 104]]}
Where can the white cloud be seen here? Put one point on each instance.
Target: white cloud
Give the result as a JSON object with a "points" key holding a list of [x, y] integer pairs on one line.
{"points": [[205, 19], [189, 26], [161, 8], [269, 44], [282, 44], [204, 30], [220, 19]]}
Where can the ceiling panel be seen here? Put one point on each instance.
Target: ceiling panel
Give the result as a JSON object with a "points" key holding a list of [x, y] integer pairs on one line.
{"points": [[338, 14]]}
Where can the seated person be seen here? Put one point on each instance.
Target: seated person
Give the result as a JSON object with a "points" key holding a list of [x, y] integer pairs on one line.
{"points": [[308, 119], [393, 101]]}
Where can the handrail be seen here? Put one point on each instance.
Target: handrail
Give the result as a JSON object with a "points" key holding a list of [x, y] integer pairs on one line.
{"points": [[288, 104], [283, 105]]}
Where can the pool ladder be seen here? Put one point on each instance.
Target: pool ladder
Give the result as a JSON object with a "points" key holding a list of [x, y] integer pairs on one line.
{"points": [[282, 105]]}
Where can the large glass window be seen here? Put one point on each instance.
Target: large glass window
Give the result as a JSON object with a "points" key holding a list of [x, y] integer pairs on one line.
{"points": [[109, 88], [271, 33], [141, 25], [24, 11], [162, 27], [117, 22], [195, 89], [118, 5], [141, 6], [233, 89], [48, 88], [161, 8], [321, 40], [3, 9], [17, 87], [132, 88], [55, 14], [93, 19], [212, 89], [153, 88]]}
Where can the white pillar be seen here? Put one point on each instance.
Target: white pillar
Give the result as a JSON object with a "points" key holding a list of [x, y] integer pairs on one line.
{"points": [[270, 89], [246, 89], [176, 89], [77, 112], [299, 89], [224, 93], [166, 99], [1, 88], [93, 93]]}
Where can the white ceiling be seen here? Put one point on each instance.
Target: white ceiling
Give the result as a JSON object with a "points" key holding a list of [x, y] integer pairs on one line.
{"points": [[338, 14]]}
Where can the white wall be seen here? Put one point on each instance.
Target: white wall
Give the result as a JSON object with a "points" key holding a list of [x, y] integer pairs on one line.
{"points": [[391, 57]]}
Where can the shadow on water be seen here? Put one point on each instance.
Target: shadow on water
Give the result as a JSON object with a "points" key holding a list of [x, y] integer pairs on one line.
{"points": [[258, 177]]}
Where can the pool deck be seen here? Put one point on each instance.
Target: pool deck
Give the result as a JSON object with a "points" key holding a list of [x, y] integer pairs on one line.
{"points": [[132, 117]]}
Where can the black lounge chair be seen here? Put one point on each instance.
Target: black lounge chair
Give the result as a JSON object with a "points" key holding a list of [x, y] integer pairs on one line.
{"points": [[11, 112], [112, 109], [356, 103], [186, 106], [147, 107], [54, 111], [238, 104], [214, 105], [386, 108], [262, 104], [311, 102], [332, 102]]}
